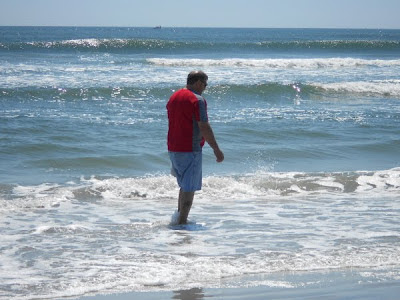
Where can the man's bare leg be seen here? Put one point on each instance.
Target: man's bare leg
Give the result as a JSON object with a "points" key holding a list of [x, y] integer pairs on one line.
{"points": [[184, 205]]}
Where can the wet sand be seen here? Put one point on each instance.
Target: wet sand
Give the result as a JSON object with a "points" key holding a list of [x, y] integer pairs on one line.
{"points": [[311, 285]]}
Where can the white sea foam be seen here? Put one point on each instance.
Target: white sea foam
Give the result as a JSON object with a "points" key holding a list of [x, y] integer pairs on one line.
{"points": [[317, 71], [36, 197], [114, 235], [175, 218], [229, 188], [376, 87], [277, 63], [379, 181], [54, 229]]}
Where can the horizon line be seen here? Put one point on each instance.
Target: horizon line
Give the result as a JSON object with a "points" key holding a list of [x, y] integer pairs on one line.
{"points": [[205, 27]]}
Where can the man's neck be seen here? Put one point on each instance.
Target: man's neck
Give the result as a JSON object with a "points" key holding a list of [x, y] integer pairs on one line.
{"points": [[193, 89]]}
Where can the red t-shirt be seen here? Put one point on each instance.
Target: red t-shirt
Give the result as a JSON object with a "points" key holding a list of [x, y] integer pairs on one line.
{"points": [[185, 109]]}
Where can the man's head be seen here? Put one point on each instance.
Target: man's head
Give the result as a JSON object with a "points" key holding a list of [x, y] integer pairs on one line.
{"points": [[197, 81]]}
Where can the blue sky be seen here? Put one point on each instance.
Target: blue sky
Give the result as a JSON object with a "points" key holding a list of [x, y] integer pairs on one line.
{"points": [[204, 13]]}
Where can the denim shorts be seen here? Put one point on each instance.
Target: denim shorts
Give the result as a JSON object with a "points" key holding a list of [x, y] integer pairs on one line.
{"points": [[187, 168]]}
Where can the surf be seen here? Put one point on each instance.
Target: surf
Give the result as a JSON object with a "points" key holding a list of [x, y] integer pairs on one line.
{"points": [[259, 185], [277, 63]]}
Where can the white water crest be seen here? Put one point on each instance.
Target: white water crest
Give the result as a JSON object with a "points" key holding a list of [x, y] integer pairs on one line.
{"points": [[375, 87], [278, 63], [235, 187]]}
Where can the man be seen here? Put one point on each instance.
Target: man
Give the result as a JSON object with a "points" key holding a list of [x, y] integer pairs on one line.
{"points": [[188, 129]]}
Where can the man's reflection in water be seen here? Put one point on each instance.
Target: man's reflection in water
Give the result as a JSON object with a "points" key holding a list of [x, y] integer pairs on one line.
{"points": [[192, 294]]}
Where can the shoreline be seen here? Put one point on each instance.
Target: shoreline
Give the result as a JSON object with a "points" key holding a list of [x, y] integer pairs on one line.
{"points": [[304, 285]]}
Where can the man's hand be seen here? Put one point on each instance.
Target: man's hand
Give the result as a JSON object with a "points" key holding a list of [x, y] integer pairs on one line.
{"points": [[208, 134], [219, 155]]}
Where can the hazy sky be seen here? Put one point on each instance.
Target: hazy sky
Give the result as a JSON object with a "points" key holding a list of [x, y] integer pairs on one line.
{"points": [[204, 13]]}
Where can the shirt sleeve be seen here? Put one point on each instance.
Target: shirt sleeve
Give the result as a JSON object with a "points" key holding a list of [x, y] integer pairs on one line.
{"points": [[202, 109]]}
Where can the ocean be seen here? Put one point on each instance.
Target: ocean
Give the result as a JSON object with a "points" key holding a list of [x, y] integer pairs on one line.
{"points": [[309, 122]]}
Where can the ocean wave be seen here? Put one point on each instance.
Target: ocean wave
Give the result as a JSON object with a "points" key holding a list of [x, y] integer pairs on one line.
{"points": [[161, 44], [94, 44], [333, 44], [377, 87], [234, 187], [312, 90], [55, 93], [275, 63], [385, 88]]}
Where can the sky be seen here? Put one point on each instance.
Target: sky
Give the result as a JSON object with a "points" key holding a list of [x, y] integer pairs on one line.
{"points": [[204, 13]]}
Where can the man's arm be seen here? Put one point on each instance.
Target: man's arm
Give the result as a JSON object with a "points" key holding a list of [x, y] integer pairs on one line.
{"points": [[208, 134]]}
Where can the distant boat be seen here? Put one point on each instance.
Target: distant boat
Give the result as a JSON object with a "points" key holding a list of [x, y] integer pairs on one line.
{"points": [[157, 27]]}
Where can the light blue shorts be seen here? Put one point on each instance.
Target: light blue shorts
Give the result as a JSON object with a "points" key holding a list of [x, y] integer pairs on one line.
{"points": [[187, 168]]}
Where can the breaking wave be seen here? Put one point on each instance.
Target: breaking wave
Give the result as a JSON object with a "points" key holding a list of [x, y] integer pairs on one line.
{"points": [[160, 44], [260, 185], [294, 63]]}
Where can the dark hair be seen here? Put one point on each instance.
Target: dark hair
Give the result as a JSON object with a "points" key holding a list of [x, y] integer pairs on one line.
{"points": [[195, 76]]}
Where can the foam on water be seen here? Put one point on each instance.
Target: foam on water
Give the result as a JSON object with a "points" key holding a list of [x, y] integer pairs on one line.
{"points": [[277, 63], [64, 84], [159, 187], [116, 234], [376, 87]]}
